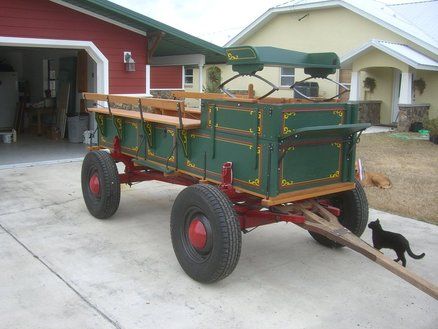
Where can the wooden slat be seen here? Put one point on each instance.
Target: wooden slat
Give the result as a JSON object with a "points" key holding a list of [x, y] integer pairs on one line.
{"points": [[197, 95], [192, 110], [150, 117], [165, 104], [95, 97], [307, 193]]}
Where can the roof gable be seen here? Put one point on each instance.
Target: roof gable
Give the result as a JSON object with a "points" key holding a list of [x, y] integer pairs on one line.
{"points": [[375, 11], [399, 51]]}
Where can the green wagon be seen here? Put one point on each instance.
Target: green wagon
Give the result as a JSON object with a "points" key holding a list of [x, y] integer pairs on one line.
{"points": [[246, 161]]}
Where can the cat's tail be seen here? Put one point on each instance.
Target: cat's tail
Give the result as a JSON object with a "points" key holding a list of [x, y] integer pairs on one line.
{"points": [[410, 253]]}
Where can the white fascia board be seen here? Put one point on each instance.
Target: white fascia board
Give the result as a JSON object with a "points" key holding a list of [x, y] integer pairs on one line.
{"points": [[349, 58], [195, 59], [90, 47], [272, 12], [268, 15], [103, 18]]}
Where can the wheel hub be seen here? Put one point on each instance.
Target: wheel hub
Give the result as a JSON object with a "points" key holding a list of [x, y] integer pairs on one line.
{"points": [[197, 234], [94, 185]]}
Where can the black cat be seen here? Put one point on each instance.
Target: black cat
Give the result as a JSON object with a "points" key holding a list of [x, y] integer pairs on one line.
{"points": [[391, 240]]}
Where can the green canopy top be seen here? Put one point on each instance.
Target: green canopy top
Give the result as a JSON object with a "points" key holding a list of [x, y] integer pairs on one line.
{"points": [[249, 60]]}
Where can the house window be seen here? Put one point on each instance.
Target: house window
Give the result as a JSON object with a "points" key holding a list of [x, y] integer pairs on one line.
{"points": [[287, 76], [345, 79], [188, 76]]}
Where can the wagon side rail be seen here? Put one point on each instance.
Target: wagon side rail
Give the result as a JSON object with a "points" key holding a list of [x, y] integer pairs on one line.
{"points": [[175, 107]]}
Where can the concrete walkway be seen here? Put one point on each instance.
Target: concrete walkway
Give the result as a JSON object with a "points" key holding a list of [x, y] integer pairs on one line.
{"points": [[62, 268]]}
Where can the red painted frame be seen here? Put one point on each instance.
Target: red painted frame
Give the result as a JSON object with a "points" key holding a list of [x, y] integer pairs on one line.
{"points": [[248, 208]]}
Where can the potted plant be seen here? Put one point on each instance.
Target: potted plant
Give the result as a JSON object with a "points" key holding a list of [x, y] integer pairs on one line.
{"points": [[369, 84], [213, 80], [420, 85], [432, 126]]}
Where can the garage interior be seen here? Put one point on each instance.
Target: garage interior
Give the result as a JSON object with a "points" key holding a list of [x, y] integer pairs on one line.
{"points": [[42, 117]]}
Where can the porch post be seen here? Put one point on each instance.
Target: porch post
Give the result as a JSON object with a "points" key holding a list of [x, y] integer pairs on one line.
{"points": [[405, 88], [354, 87], [200, 77], [148, 79]]}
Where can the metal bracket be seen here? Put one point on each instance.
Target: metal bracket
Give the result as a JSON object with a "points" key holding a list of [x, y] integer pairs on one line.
{"points": [[213, 131], [100, 119], [256, 137], [117, 122], [226, 91], [145, 126]]}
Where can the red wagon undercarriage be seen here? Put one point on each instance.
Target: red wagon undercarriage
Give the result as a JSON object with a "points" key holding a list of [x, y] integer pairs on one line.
{"points": [[318, 216], [248, 207]]}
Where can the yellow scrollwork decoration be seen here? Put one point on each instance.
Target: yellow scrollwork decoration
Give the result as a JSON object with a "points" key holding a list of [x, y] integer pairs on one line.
{"points": [[339, 113], [150, 153], [335, 174], [232, 57], [285, 182], [286, 130], [190, 164], [338, 145], [255, 182], [287, 115]]}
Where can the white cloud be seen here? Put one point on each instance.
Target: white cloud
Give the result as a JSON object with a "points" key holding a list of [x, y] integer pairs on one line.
{"points": [[214, 21]]}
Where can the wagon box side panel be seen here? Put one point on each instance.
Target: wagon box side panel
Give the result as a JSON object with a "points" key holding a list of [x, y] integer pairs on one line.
{"points": [[124, 128], [249, 162]]}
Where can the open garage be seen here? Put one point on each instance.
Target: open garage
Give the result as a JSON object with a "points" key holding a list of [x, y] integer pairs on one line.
{"points": [[52, 51]]}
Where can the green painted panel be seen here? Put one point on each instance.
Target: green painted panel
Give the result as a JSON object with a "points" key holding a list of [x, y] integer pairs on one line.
{"points": [[310, 165], [163, 148], [236, 120], [293, 119], [240, 152], [130, 141]]}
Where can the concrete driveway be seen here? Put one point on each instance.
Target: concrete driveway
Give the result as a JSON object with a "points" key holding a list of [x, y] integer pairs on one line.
{"points": [[62, 268]]}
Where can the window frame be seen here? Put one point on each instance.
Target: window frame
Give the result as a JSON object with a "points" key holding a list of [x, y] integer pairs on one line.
{"points": [[286, 76], [188, 84]]}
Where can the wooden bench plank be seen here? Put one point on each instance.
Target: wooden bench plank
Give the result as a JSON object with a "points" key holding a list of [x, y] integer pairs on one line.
{"points": [[150, 117], [165, 104], [192, 110], [197, 95]]}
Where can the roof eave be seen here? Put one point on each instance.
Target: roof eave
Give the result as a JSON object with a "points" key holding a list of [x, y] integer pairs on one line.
{"points": [[349, 58], [259, 22], [149, 23]]}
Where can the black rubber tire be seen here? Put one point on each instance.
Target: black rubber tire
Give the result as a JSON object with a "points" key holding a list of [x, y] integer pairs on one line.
{"points": [[104, 205], [225, 238], [354, 213]]}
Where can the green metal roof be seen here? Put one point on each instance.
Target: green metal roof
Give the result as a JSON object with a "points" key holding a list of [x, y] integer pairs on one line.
{"points": [[174, 42]]}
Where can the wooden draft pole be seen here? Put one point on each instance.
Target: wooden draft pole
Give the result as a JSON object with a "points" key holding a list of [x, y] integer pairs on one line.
{"points": [[325, 223]]}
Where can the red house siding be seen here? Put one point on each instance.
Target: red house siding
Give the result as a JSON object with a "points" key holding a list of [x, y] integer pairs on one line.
{"points": [[166, 77], [47, 20]]}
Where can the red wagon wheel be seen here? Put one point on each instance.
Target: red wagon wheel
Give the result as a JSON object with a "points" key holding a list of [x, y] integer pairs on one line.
{"points": [[205, 232], [100, 184], [354, 213]]}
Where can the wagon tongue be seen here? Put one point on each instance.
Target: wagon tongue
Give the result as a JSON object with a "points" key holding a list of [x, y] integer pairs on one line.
{"points": [[323, 222]]}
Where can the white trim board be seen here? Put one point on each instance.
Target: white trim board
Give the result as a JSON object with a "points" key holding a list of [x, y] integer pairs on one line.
{"points": [[103, 18], [389, 49], [388, 19], [102, 75]]}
